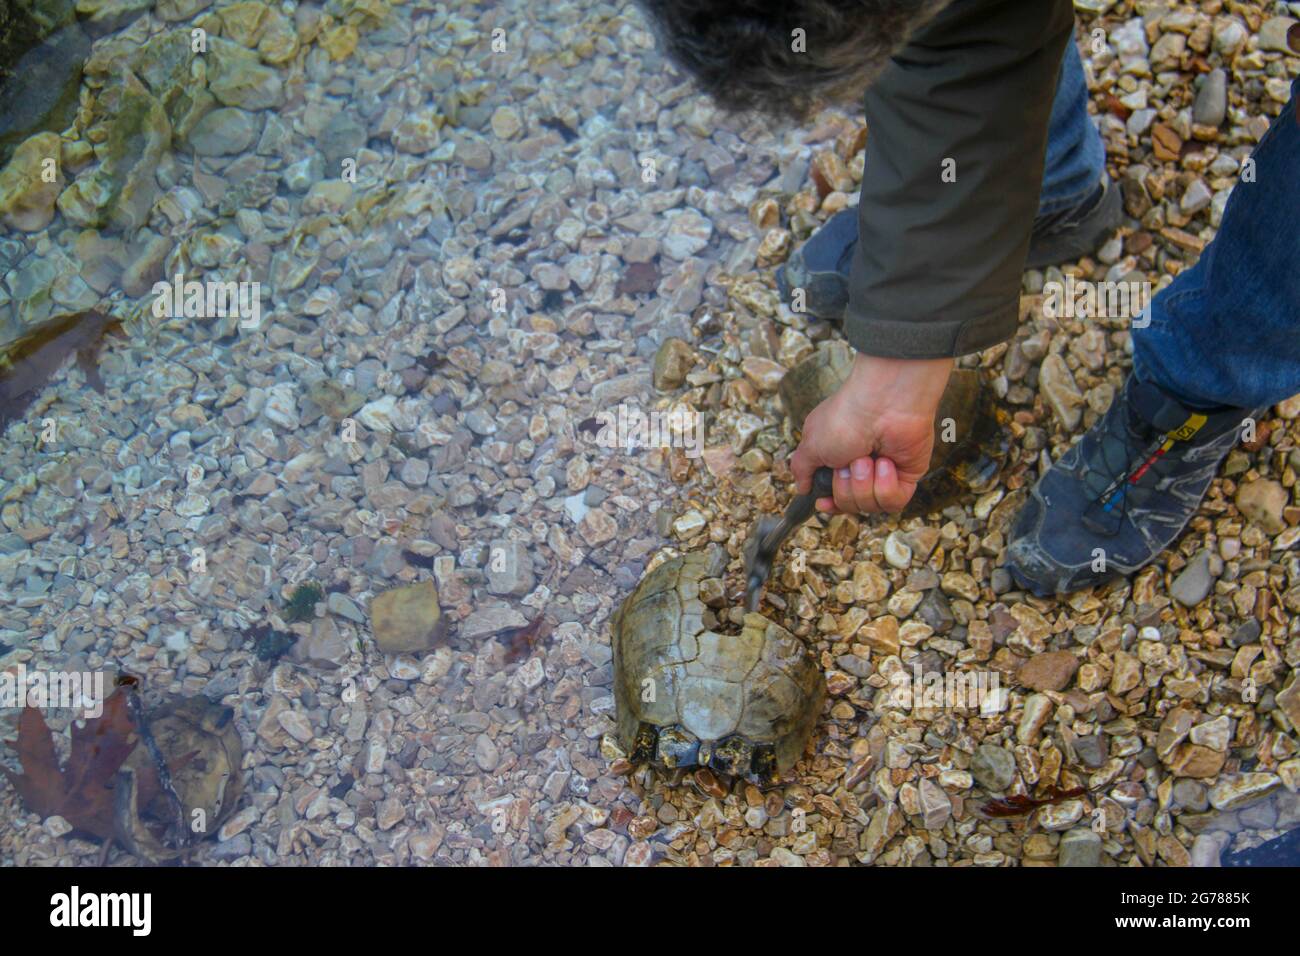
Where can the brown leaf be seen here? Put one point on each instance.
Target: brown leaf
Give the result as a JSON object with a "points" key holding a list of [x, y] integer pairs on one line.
{"points": [[520, 641], [31, 362], [1020, 803], [82, 792]]}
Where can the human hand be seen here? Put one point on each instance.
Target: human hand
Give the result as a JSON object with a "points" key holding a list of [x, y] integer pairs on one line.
{"points": [[876, 431]]}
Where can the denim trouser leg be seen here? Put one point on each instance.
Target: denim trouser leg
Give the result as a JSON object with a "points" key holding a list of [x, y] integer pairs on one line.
{"points": [[1227, 330], [1076, 157]]}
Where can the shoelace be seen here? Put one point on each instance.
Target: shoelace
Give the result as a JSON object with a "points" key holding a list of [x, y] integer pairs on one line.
{"points": [[1137, 459]]}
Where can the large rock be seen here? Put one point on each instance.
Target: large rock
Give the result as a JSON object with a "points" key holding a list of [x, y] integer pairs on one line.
{"points": [[120, 193], [40, 80], [407, 620], [26, 198]]}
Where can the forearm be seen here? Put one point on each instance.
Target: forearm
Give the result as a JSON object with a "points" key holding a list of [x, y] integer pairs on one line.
{"points": [[937, 266]]}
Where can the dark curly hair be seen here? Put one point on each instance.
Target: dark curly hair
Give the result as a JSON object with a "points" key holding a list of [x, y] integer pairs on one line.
{"points": [[744, 53]]}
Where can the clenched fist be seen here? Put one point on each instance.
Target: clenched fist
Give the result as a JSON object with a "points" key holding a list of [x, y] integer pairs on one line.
{"points": [[876, 431]]}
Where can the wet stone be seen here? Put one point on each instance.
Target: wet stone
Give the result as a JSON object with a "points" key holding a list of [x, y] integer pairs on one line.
{"points": [[993, 767], [1194, 582], [1079, 847]]}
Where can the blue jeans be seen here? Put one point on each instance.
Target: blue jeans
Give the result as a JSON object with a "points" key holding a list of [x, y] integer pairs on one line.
{"points": [[1227, 330], [1076, 157]]}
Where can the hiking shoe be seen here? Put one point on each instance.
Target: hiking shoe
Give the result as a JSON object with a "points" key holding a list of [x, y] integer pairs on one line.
{"points": [[821, 268], [821, 265], [1076, 232], [1121, 494]]}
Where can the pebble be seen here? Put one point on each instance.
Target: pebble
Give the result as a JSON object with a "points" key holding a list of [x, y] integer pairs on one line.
{"points": [[1193, 583], [1051, 670], [1211, 105], [1261, 502], [1079, 847], [993, 767]]}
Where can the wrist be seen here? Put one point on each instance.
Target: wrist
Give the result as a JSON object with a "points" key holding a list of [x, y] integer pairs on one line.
{"points": [[922, 381]]}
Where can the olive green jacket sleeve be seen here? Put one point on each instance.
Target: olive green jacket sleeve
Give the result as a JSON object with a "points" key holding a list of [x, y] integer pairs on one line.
{"points": [[937, 268]]}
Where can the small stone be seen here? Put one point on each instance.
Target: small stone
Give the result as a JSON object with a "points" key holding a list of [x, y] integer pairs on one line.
{"points": [[1242, 790], [343, 606], [1091, 750], [1211, 105], [1051, 670], [1197, 197], [407, 619], [1215, 734], [1193, 583], [688, 233], [1060, 816], [1061, 392], [26, 199], [1038, 707], [673, 361], [935, 805], [389, 813], [223, 132], [597, 527], [897, 553], [1273, 34], [281, 407], [1261, 502], [510, 568], [1079, 847], [993, 767], [486, 753], [506, 123], [487, 621]]}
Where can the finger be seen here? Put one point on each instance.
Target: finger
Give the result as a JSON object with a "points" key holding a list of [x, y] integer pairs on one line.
{"points": [[833, 505], [851, 494], [863, 471], [802, 465], [892, 493]]}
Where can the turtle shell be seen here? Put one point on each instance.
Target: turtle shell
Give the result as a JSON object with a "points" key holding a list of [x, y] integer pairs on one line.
{"points": [[744, 704]]}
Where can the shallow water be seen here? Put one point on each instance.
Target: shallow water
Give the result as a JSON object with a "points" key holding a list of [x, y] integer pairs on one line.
{"points": [[446, 236]]}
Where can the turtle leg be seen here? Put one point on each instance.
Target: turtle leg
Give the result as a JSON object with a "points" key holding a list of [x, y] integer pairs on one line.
{"points": [[763, 767], [733, 757], [645, 744]]}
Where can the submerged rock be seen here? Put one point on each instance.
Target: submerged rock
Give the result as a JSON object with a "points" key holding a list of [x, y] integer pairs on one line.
{"points": [[121, 191], [407, 619], [39, 92], [29, 185]]}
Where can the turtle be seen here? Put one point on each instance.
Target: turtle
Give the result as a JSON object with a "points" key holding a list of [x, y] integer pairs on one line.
{"points": [[742, 704], [970, 444]]}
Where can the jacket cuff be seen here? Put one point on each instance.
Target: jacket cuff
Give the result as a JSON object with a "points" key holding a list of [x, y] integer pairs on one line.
{"points": [[935, 338]]}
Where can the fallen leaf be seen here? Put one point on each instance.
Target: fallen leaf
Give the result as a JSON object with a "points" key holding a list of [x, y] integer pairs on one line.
{"points": [[30, 362], [520, 641], [82, 791]]}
